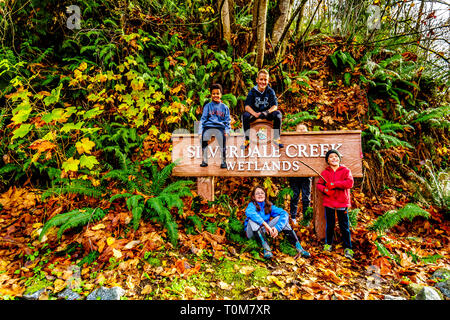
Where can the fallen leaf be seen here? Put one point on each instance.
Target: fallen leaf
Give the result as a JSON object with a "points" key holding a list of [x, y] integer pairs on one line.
{"points": [[59, 285], [225, 286], [117, 254], [277, 281], [98, 227], [246, 270], [110, 241], [131, 244]]}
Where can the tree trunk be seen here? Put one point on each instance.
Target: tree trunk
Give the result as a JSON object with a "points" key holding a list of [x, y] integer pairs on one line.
{"points": [[284, 10], [261, 32], [226, 21]]}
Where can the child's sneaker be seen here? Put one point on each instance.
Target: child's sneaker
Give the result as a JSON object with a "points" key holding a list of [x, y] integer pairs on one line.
{"points": [[278, 143], [303, 252], [327, 248], [245, 145], [203, 164], [223, 165], [268, 254], [348, 253]]}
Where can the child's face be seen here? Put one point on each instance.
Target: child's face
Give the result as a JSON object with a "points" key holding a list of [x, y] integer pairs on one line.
{"points": [[260, 195], [333, 160], [216, 95], [262, 81]]}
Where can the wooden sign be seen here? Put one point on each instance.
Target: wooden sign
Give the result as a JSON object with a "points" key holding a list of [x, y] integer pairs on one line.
{"points": [[264, 158]]}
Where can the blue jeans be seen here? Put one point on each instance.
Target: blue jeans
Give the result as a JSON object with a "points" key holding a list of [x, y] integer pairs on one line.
{"points": [[344, 226]]}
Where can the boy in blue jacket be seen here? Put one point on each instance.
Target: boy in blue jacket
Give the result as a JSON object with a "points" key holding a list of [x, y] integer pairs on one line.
{"points": [[215, 121], [263, 216]]}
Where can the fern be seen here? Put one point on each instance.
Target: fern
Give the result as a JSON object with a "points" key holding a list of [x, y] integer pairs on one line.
{"points": [[393, 217], [384, 252], [161, 198], [384, 136], [198, 225], [433, 189], [293, 119], [119, 195], [72, 219], [434, 117], [279, 202], [79, 187]]}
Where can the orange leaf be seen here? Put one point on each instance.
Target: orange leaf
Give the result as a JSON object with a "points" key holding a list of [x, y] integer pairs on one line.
{"points": [[42, 145], [180, 266]]}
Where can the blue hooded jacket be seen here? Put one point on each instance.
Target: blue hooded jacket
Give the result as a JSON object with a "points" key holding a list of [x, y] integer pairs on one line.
{"points": [[260, 216], [215, 115]]}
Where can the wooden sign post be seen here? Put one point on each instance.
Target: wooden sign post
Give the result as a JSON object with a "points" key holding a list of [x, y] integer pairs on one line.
{"points": [[264, 158]]}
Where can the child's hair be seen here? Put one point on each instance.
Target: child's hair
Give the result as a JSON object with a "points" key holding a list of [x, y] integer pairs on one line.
{"points": [[267, 203], [263, 71], [330, 152], [216, 86]]}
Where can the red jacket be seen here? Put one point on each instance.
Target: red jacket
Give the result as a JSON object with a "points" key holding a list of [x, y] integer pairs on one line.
{"points": [[343, 182]]}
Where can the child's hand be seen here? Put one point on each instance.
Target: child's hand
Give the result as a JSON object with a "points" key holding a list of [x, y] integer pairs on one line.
{"points": [[330, 185], [328, 192], [273, 232]]}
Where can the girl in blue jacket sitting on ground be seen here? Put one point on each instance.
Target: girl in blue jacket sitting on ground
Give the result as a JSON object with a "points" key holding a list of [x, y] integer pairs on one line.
{"points": [[263, 217]]}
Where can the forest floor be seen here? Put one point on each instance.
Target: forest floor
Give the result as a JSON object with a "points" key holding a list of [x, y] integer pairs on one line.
{"points": [[206, 265]]}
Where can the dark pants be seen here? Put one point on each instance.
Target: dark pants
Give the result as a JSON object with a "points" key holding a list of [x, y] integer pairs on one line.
{"points": [[298, 184], [219, 134], [343, 226], [275, 117]]}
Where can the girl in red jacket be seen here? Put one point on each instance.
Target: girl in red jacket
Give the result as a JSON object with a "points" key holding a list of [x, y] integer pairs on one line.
{"points": [[336, 199]]}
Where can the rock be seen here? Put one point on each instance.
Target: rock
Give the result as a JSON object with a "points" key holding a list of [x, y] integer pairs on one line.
{"points": [[414, 288], [68, 294], [428, 293], [388, 297], [34, 295], [441, 274], [444, 287], [102, 293]]}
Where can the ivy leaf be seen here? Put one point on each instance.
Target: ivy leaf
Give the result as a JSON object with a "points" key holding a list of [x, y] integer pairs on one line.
{"points": [[84, 146], [88, 161], [70, 164]]}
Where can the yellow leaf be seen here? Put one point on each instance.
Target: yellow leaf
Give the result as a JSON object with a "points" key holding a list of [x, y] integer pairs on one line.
{"points": [[110, 241], [70, 164], [275, 280], [98, 226], [82, 66], [176, 89], [153, 130], [165, 136], [84, 146], [58, 285]]}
